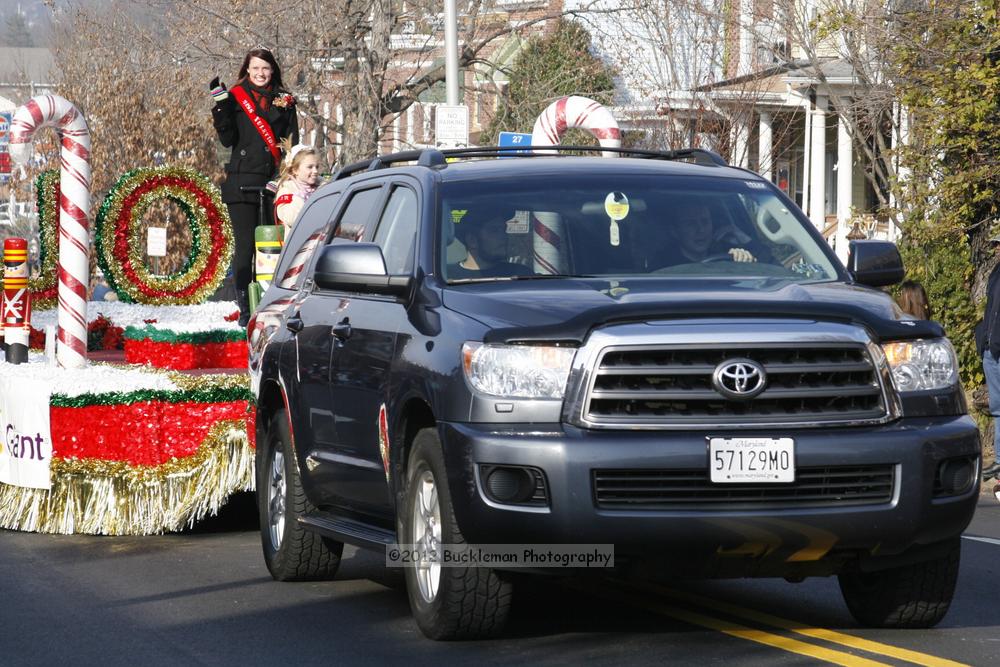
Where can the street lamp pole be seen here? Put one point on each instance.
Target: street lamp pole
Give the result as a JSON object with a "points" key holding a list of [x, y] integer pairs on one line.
{"points": [[451, 51]]}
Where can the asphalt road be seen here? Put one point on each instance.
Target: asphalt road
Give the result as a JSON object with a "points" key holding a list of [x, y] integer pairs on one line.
{"points": [[204, 597]]}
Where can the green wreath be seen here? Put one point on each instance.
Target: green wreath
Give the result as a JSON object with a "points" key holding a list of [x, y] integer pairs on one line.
{"points": [[118, 233], [43, 286]]}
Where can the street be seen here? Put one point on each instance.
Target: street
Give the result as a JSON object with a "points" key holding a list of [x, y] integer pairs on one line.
{"points": [[204, 597]]}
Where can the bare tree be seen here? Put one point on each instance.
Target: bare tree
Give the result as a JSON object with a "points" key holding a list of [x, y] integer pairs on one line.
{"points": [[371, 59], [680, 80]]}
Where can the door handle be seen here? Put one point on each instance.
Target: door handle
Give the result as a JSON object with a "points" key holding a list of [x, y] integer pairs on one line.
{"points": [[294, 323], [342, 330]]}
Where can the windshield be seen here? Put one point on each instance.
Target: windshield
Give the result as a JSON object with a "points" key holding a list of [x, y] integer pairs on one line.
{"points": [[624, 225]]}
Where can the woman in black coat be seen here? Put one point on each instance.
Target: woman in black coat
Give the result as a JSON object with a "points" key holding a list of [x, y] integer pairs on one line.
{"points": [[252, 118]]}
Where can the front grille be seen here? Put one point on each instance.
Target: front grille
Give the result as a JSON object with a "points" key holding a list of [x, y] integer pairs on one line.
{"points": [[833, 486], [807, 384]]}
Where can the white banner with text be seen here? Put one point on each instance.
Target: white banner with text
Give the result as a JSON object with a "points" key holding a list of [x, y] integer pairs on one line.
{"points": [[26, 448]]}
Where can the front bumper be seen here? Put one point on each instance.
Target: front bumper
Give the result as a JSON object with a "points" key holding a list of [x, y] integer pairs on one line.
{"points": [[763, 541]]}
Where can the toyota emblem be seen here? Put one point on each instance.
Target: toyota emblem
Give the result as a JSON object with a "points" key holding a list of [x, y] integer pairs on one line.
{"points": [[739, 379]]}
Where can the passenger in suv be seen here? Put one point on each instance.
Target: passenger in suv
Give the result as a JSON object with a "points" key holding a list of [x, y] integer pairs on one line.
{"points": [[484, 237], [721, 419]]}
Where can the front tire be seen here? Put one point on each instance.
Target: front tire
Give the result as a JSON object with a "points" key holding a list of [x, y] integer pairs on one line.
{"points": [[910, 596], [290, 552], [447, 602]]}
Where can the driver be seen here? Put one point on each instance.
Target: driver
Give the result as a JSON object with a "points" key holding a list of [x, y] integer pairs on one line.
{"points": [[696, 239]]}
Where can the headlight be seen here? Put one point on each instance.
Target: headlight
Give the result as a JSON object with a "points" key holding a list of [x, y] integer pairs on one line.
{"points": [[919, 365], [517, 371]]}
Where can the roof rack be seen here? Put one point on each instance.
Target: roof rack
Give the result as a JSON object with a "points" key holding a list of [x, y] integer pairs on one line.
{"points": [[432, 157]]}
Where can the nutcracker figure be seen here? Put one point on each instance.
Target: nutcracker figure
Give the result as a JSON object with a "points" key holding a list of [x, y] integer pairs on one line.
{"points": [[16, 306]]}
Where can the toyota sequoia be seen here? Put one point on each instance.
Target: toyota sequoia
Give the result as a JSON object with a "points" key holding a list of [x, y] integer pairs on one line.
{"points": [[655, 351]]}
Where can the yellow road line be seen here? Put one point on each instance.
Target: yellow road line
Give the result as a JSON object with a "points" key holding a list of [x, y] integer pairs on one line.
{"points": [[831, 636], [767, 638], [742, 632]]}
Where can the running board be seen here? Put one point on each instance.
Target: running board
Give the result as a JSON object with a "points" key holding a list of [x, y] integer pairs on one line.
{"points": [[349, 531]]}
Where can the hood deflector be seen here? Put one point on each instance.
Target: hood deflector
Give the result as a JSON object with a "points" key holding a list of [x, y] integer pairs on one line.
{"points": [[575, 329]]}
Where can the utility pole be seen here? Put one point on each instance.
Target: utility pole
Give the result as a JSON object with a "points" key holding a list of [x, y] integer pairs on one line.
{"points": [[451, 51]]}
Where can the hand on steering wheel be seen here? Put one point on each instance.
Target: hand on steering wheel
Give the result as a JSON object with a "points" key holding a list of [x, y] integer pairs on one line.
{"points": [[732, 255], [741, 255]]}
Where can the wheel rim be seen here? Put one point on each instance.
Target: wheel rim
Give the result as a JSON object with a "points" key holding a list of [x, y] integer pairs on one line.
{"points": [[427, 536], [276, 499]]}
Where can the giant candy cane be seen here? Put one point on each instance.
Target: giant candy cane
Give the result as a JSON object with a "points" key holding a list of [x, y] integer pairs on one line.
{"points": [[563, 114], [581, 112], [74, 205]]}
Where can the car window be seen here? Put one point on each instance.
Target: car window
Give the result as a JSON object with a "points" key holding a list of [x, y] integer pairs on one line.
{"points": [[626, 224], [308, 232], [355, 222], [397, 230]]}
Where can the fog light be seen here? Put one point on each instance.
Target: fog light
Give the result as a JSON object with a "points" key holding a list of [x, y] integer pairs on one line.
{"points": [[954, 476], [510, 485]]}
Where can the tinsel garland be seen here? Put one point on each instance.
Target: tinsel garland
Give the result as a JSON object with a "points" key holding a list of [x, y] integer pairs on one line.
{"points": [[206, 394], [159, 335], [121, 256], [228, 381], [187, 356], [152, 433], [114, 498], [43, 286]]}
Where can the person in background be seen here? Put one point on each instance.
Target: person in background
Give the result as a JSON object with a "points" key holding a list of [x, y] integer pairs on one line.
{"points": [[299, 178], [988, 346], [912, 299], [252, 118]]}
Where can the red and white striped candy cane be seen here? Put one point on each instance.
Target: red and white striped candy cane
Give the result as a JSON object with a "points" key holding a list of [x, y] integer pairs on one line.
{"points": [[576, 112], [547, 247], [74, 207]]}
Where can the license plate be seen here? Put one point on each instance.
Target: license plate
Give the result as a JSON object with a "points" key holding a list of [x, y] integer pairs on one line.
{"points": [[751, 460]]}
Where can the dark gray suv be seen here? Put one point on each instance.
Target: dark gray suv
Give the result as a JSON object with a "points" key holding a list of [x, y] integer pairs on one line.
{"points": [[655, 351]]}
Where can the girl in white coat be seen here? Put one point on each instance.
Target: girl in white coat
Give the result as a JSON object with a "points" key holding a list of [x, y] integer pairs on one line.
{"points": [[299, 178]]}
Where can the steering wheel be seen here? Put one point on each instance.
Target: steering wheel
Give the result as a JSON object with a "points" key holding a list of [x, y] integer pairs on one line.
{"points": [[720, 257]]}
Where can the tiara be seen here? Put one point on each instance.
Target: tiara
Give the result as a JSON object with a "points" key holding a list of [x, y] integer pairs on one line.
{"points": [[261, 47]]}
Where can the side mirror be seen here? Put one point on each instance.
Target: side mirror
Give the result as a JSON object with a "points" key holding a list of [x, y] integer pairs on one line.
{"points": [[357, 267], [875, 263]]}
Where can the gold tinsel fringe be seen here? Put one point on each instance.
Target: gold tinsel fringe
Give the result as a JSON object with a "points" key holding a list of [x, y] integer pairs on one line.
{"points": [[113, 498]]}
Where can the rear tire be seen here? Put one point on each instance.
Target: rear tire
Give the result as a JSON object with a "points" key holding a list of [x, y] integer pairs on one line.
{"points": [[447, 602], [290, 552], [910, 596]]}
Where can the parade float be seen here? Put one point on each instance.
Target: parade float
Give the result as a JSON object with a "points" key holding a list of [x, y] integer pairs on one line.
{"points": [[135, 419]]}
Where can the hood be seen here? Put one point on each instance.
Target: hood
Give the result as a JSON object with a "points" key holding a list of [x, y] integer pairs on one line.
{"points": [[566, 309]]}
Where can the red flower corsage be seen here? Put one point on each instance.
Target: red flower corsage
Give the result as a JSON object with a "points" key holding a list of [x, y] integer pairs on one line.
{"points": [[284, 101]]}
